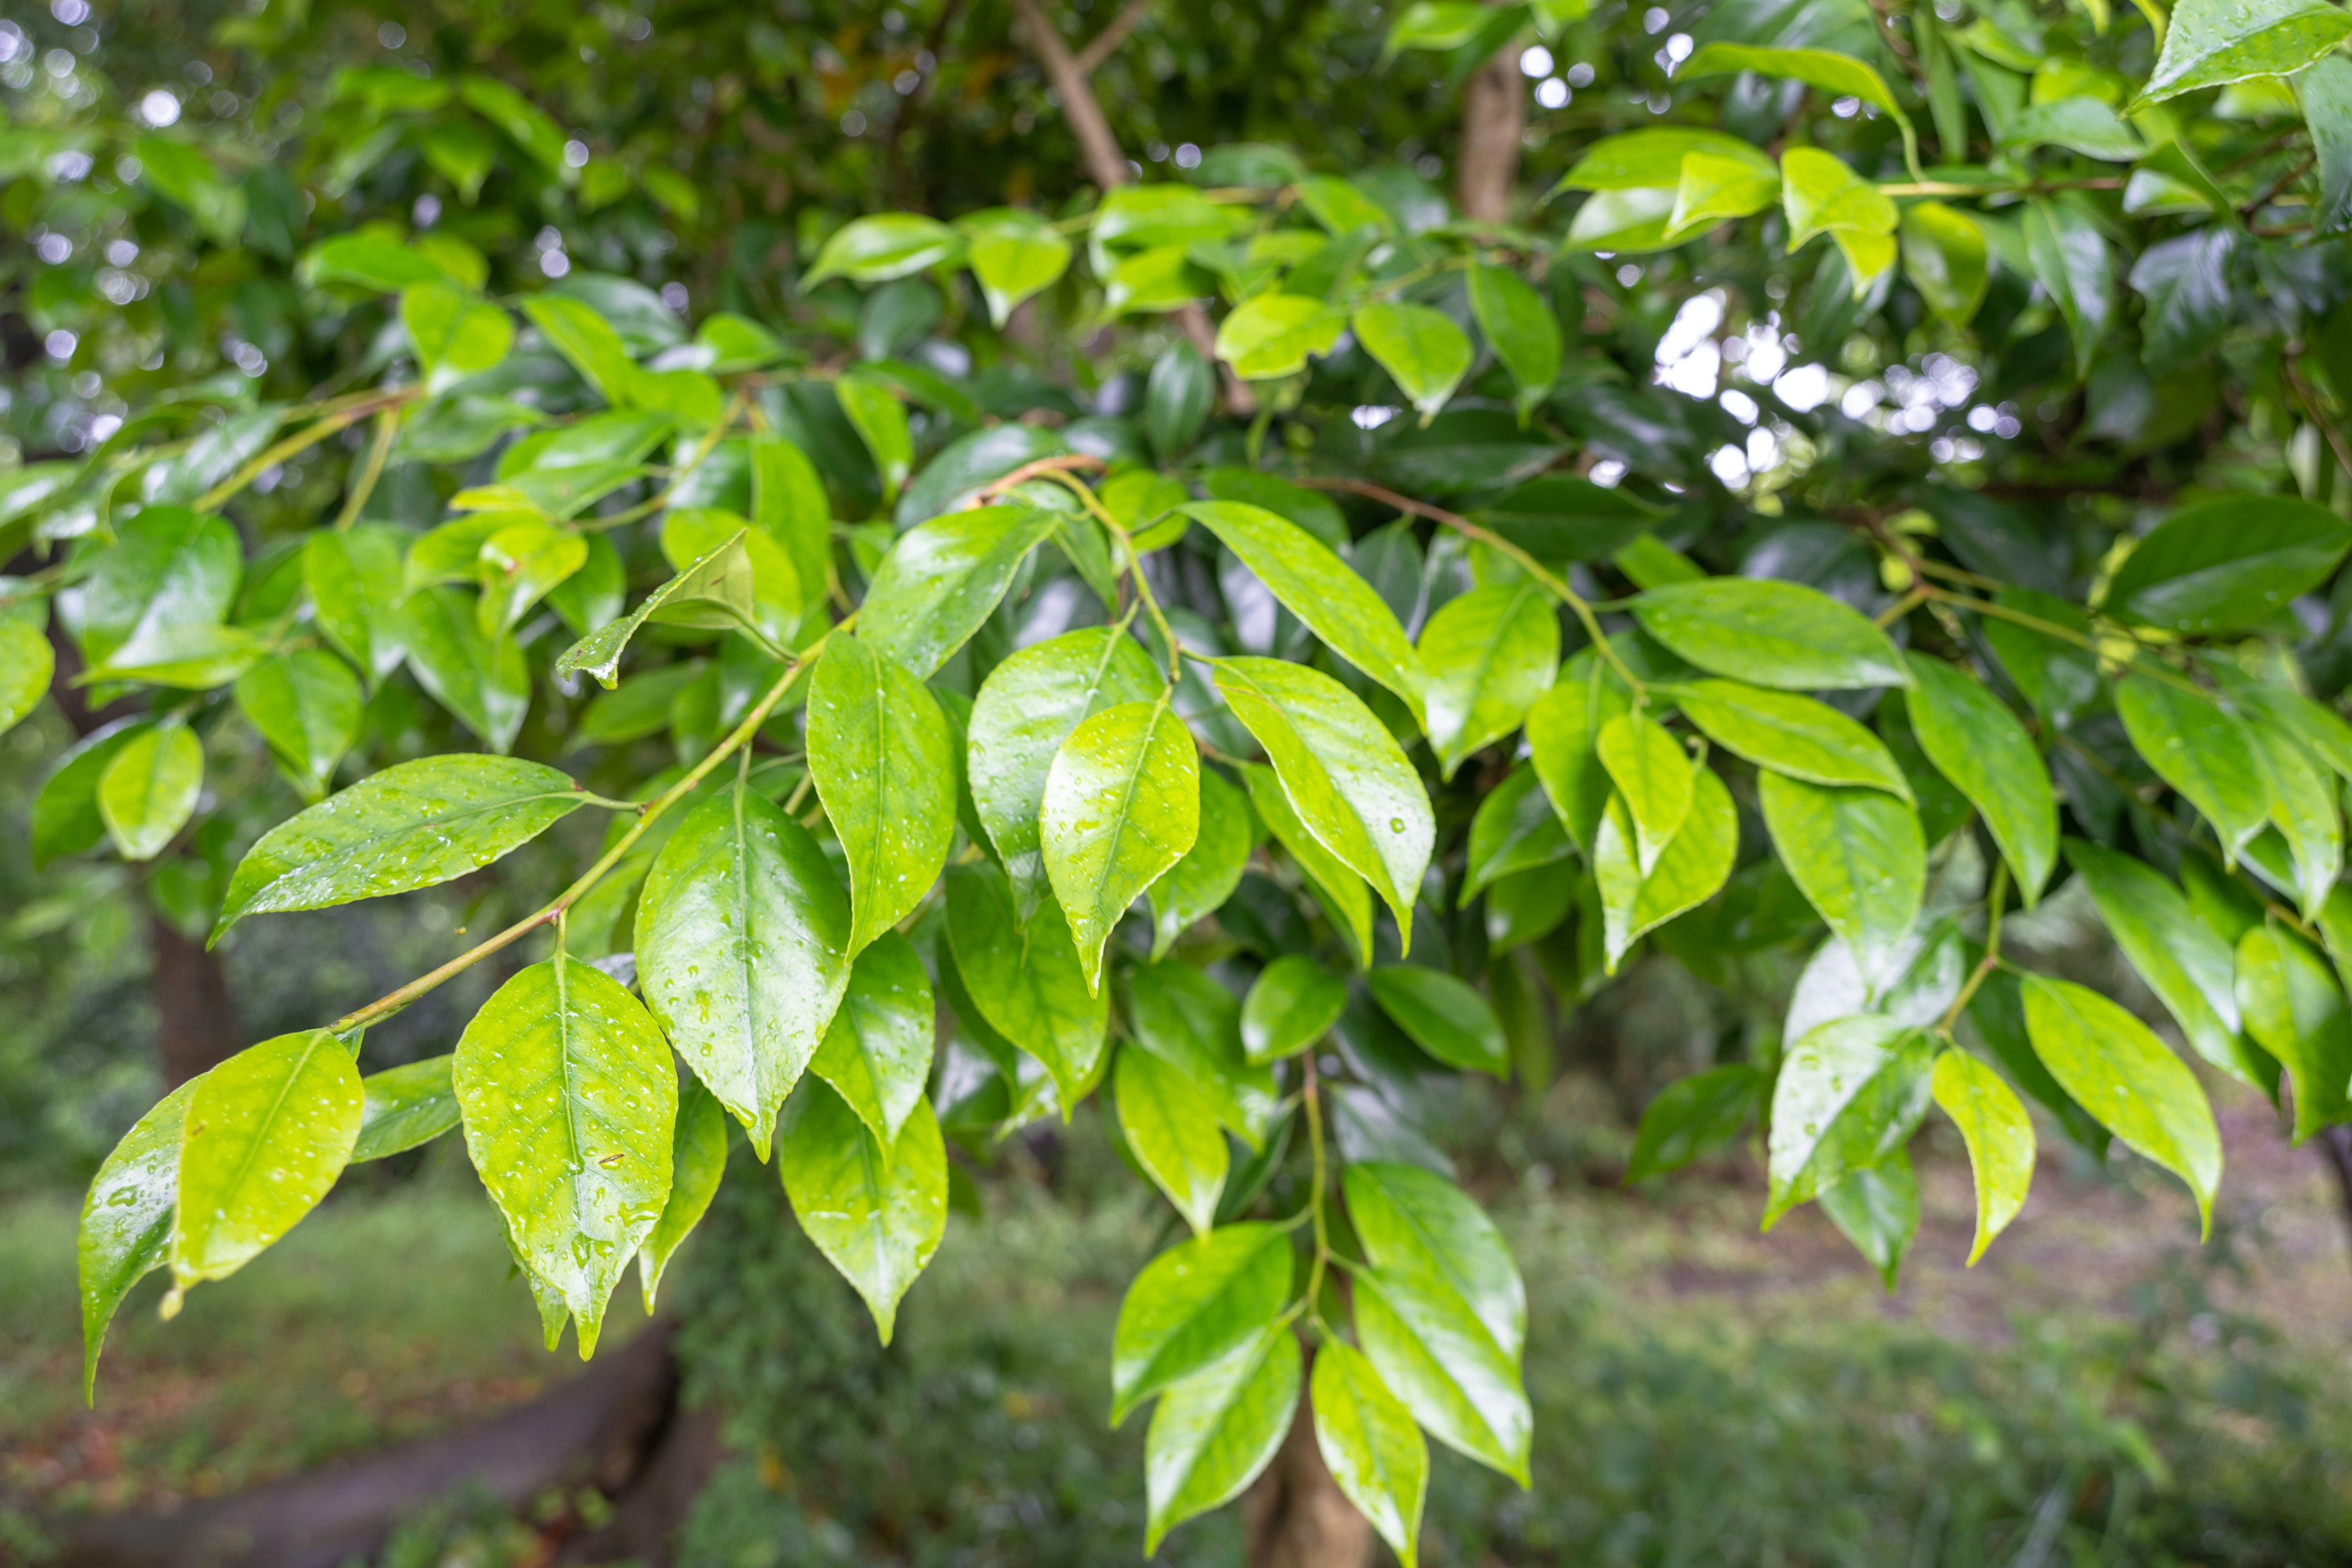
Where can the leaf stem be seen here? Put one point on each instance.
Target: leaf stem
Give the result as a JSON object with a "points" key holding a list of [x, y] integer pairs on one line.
{"points": [[1552, 582], [1310, 1096], [1994, 896], [386, 1005], [387, 425], [311, 435]]}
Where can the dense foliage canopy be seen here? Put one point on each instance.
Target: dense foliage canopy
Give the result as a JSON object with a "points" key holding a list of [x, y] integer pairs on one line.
{"points": [[1253, 641]]}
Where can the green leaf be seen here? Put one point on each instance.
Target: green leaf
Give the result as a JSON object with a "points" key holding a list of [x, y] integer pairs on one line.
{"points": [[1858, 857], [1194, 1305], [1189, 1021], [1271, 335], [1693, 1116], [1770, 632], [2189, 967], [264, 1135], [1710, 190], [1652, 159], [307, 706], [169, 572], [1369, 1444], [2293, 1008], [1014, 253], [2209, 42], [1218, 1428], [1198, 885], [1490, 654], [1421, 349], [741, 938], [1878, 1211], [1821, 196], [355, 583], [1172, 1130], [880, 421], [1519, 327], [126, 1220], [1122, 805], [404, 1106], [2070, 260], [453, 334], [1177, 398], [1849, 1094], [1694, 866], [521, 564], [1789, 734], [1027, 984], [2084, 125], [714, 594], [1291, 1005], [2303, 807], [1653, 775], [1978, 743], [1999, 1137], [1029, 705], [585, 339], [1345, 898], [698, 1159], [1445, 1017], [789, 505], [1439, 25], [886, 245], [1341, 771], [886, 771], [1839, 74], [570, 1098], [27, 662], [482, 681], [1945, 255], [1514, 830], [1440, 1311], [1623, 220], [2325, 90], [1313, 583], [1560, 730], [2122, 1074], [877, 1213], [877, 1052], [148, 789], [2200, 751], [2228, 565], [65, 819], [411, 825], [2190, 297]]}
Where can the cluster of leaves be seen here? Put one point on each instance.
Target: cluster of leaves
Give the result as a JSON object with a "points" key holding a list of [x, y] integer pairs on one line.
{"points": [[1232, 761]]}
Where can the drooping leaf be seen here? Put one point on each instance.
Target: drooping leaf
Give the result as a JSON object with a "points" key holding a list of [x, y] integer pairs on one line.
{"points": [[1976, 743], [1445, 1015], [1999, 1137], [698, 1159], [1369, 1444], [1171, 1129], [355, 583], [1694, 866], [1014, 253], [404, 1106], [263, 1137], [1860, 858], [1945, 255], [411, 825], [1490, 654], [1877, 1209], [2121, 1074], [569, 1095], [1421, 349], [1186, 1019], [26, 664], [1218, 1428], [1122, 804], [170, 571], [1273, 334], [307, 705], [1028, 982], [148, 789], [64, 817], [1770, 632], [1789, 734], [1515, 830], [877, 1052], [742, 950], [1653, 775], [1849, 1093], [1346, 899], [1519, 327], [1198, 885], [2190, 969], [2294, 1009], [1321, 590], [877, 248], [2200, 749], [714, 593], [126, 1220], [943, 578], [1029, 705], [1560, 730], [1710, 190], [878, 1214], [879, 752], [2071, 262], [1693, 1116], [1342, 772], [2304, 810], [483, 682], [1196, 1304], [1293, 1003]]}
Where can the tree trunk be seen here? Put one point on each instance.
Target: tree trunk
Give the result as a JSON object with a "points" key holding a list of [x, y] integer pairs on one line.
{"points": [[195, 1022], [1494, 115], [1294, 1516], [2336, 1148]]}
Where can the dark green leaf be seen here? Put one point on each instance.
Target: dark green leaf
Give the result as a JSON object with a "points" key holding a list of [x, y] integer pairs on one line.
{"points": [[1693, 1116], [1291, 1005], [1770, 632], [943, 578], [877, 1052], [2229, 564], [1789, 734], [2200, 751], [1028, 985], [1198, 885], [1447, 1017], [2293, 1008], [1976, 743]]}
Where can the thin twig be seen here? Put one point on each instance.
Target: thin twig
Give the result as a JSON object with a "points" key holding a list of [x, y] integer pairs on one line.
{"points": [[387, 425], [1105, 43]]}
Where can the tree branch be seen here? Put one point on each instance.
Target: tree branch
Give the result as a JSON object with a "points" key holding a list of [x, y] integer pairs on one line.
{"points": [[1493, 117], [1105, 43]]}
